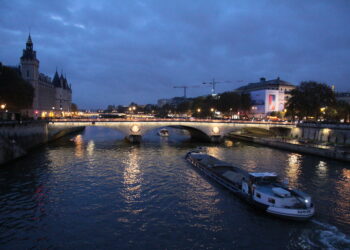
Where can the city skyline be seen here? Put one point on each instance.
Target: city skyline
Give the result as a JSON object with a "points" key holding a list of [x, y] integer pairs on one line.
{"points": [[118, 53]]}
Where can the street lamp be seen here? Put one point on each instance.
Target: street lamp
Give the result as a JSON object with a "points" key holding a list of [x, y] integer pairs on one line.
{"points": [[3, 106], [198, 110]]}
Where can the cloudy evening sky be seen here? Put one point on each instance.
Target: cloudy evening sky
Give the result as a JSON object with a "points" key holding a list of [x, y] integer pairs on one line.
{"points": [[116, 52]]}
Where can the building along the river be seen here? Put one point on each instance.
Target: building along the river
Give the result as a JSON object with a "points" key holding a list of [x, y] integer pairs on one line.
{"points": [[267, 95], [51, 97]]}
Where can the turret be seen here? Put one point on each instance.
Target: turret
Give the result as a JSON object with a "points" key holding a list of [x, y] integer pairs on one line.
{"points": [[29, 62]]}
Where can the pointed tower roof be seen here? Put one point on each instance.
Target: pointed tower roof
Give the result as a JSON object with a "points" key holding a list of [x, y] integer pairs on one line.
{"points": [[29, 40], [56, 80], [28, 52]]}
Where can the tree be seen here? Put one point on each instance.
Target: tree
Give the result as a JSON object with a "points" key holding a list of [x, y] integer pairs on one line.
{"points": [[229, 101], [74, 107], [309, 99], [164, 110], [245, 104], [110, 108], [15, 92], [341, 109]]}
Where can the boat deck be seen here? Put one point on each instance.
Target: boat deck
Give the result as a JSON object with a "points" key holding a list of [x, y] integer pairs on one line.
{"points": [[266, 189]]}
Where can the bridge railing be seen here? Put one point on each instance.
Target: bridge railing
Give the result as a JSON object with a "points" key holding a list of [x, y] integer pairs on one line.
{"points": [[169, 120]]}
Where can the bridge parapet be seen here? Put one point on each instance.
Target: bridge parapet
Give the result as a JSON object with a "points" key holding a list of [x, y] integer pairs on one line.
{"points": [[134, 130]]}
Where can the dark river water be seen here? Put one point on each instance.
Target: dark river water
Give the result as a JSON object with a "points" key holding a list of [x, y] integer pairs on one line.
{"points": [[95, 191]]}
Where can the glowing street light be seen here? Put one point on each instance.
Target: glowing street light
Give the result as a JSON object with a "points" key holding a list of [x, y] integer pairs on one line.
{"points": [[3, 106], [135, 129], [212, 109], [216, 130], [198, 110]]}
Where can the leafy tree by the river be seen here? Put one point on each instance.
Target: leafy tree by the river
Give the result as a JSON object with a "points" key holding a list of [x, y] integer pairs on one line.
{"points": [[309, 99], [339, 111], [73, 107], [15, 92]]}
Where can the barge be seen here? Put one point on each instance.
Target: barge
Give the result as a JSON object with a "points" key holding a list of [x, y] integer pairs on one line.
{"points": [[263, 190]]}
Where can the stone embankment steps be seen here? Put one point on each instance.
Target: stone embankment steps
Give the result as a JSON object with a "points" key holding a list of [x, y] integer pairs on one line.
{"points": [[331, 152]]}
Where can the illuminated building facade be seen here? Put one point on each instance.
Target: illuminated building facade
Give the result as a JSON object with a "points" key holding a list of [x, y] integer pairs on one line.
{"points": [[50, 96], [267, 95]]}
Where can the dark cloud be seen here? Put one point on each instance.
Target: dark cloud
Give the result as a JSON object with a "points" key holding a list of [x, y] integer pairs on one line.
{"points": [[115, 52]]}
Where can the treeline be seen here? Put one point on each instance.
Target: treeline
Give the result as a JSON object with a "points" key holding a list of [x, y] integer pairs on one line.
{"points": [[15, 93], [316, 101], [227, 103]]}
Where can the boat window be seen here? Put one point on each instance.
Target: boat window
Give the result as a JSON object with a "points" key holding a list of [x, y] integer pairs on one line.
{"points": [[258, 195], [271, 200]]}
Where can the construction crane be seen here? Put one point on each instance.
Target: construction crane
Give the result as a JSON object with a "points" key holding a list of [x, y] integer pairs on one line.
{"points": [[213, 85], [185, 89]]}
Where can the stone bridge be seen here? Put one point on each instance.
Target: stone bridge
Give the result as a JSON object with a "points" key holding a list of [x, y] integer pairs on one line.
{"points": [[210, 130]]}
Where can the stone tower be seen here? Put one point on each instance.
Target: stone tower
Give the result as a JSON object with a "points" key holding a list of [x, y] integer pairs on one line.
{"points": [[30, 69]]}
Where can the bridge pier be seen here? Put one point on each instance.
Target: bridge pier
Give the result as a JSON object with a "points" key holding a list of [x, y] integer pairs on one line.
{"points": [[216, 138], [134, 138]]}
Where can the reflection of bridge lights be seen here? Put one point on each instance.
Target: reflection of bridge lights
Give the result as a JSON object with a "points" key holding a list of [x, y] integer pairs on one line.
{"points": [[135, 129], [293, 169], [132, 179], [90, 148], [216, 130], [79, 146]]}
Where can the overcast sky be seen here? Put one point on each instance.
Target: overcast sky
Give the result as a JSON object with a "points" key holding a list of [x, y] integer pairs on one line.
{"points": [[116, 52]]}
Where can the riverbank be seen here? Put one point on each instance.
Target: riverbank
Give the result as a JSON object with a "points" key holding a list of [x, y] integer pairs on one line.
{"points": [[330, 152], [18, 138]]}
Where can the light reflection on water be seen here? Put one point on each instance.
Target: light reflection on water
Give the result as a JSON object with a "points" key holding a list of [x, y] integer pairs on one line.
{"points": [[132, 177], [97, 191], [90, 148], [79, 146], [293, 168]]}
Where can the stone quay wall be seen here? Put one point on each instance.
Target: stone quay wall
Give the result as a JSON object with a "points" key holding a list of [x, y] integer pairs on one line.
{"points": [[323, 133], [18, 138]]}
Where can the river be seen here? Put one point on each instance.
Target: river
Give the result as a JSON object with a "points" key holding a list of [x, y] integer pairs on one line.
{"points": [[93, 190]]}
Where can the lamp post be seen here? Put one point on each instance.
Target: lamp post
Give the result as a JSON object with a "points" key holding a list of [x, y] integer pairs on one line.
{"points": [[3, 106], [212, 110]]}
